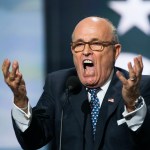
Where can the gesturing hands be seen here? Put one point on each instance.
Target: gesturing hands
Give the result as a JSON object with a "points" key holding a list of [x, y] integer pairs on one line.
{"points": [[130, 90], [16, 83]]}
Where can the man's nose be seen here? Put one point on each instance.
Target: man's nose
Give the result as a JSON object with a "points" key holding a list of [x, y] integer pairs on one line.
{"points": [[87, 50]]}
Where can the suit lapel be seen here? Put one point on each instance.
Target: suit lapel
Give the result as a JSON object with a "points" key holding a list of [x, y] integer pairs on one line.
{"points": [[110, 103], [81, 108]]}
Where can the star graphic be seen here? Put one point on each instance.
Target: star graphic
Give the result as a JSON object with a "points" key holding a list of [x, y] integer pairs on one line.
{"points": [[134, 13]]}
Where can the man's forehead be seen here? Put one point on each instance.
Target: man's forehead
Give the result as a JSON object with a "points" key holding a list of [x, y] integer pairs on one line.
{"points": [[92, 31], [99, 27], [92, 24]]}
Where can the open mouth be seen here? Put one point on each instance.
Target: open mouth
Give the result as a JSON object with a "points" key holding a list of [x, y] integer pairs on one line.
{"points": [[87, 63]]}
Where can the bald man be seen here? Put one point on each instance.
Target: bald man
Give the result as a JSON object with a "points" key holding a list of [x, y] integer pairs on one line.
{"points": [[103, 107]]}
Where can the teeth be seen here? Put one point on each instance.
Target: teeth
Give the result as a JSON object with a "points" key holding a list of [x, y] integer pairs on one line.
{"points": [[88, 61]]}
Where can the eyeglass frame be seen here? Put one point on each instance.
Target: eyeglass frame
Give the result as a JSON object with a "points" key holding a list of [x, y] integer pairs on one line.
{"points": [[103, 44]]}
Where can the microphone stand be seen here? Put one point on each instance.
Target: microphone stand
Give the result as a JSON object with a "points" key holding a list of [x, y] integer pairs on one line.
{"points": [[73, 86], [61, 119]]}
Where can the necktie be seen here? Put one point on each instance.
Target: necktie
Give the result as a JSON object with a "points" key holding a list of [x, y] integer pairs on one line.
{"points": [[95, 107]]}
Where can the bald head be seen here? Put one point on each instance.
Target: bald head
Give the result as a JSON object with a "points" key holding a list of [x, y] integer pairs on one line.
{"points": [[102, 25]]}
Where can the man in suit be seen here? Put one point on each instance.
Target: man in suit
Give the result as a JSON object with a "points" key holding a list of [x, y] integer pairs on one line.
{"points": [[64, 114]]}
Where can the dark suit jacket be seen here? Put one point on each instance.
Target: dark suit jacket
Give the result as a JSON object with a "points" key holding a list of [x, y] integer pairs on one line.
{"points": [[76, 126]]}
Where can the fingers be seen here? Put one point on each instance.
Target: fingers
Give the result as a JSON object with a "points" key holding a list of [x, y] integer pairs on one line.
{"points": [[13, 73], [135, 71], [5, 68], [18, 76], [132, 75], [138, 65], [13, 77], [121, 77]]}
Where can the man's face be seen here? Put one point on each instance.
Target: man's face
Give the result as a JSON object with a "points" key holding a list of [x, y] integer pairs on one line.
{"points": [[94, 67]]}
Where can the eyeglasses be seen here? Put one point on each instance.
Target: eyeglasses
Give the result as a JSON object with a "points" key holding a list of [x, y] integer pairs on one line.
{"points": [[94, 45]]}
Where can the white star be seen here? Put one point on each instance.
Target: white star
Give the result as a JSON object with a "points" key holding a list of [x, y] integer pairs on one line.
{"points": [[134, 13]]}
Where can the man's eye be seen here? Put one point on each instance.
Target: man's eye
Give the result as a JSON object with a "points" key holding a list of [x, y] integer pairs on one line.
{"points": [[79, 44]]}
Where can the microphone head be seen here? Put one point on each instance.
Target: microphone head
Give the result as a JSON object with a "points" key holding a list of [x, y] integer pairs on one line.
{"points": [[73, 84]]}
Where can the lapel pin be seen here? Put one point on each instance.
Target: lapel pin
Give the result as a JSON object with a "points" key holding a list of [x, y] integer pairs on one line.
{"points": [[111, 100]]}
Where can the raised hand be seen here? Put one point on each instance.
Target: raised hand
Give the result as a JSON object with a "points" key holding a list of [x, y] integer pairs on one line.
{"points": [[16, 83], [130, 90]]}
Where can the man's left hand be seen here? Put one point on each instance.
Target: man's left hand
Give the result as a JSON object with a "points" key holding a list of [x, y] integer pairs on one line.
{"points": [[130, 90]]}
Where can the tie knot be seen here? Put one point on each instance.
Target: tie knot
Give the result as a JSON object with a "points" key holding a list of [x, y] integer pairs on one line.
{"points": [[93, 91]]}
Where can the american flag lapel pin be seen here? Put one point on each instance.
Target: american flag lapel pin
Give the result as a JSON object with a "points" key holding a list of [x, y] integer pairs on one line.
{"points": [[111, 100]]}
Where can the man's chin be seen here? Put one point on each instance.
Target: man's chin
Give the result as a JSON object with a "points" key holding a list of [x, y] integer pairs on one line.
{"points": [[88, 80], [90, 83]]}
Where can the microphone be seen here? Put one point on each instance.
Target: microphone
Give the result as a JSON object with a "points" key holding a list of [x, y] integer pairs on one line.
{"points": [[73, 86]]}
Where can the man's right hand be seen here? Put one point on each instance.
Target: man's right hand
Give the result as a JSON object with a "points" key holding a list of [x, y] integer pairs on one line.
{"points": [[16, 83]]}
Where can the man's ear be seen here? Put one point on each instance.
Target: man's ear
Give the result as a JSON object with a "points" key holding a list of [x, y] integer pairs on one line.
{"points": [[117, 50], [71, 49]]}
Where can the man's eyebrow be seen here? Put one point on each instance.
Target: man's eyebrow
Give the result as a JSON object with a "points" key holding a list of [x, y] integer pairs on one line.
{"points": [[94, 39], [78, 40], [81, 40]]}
